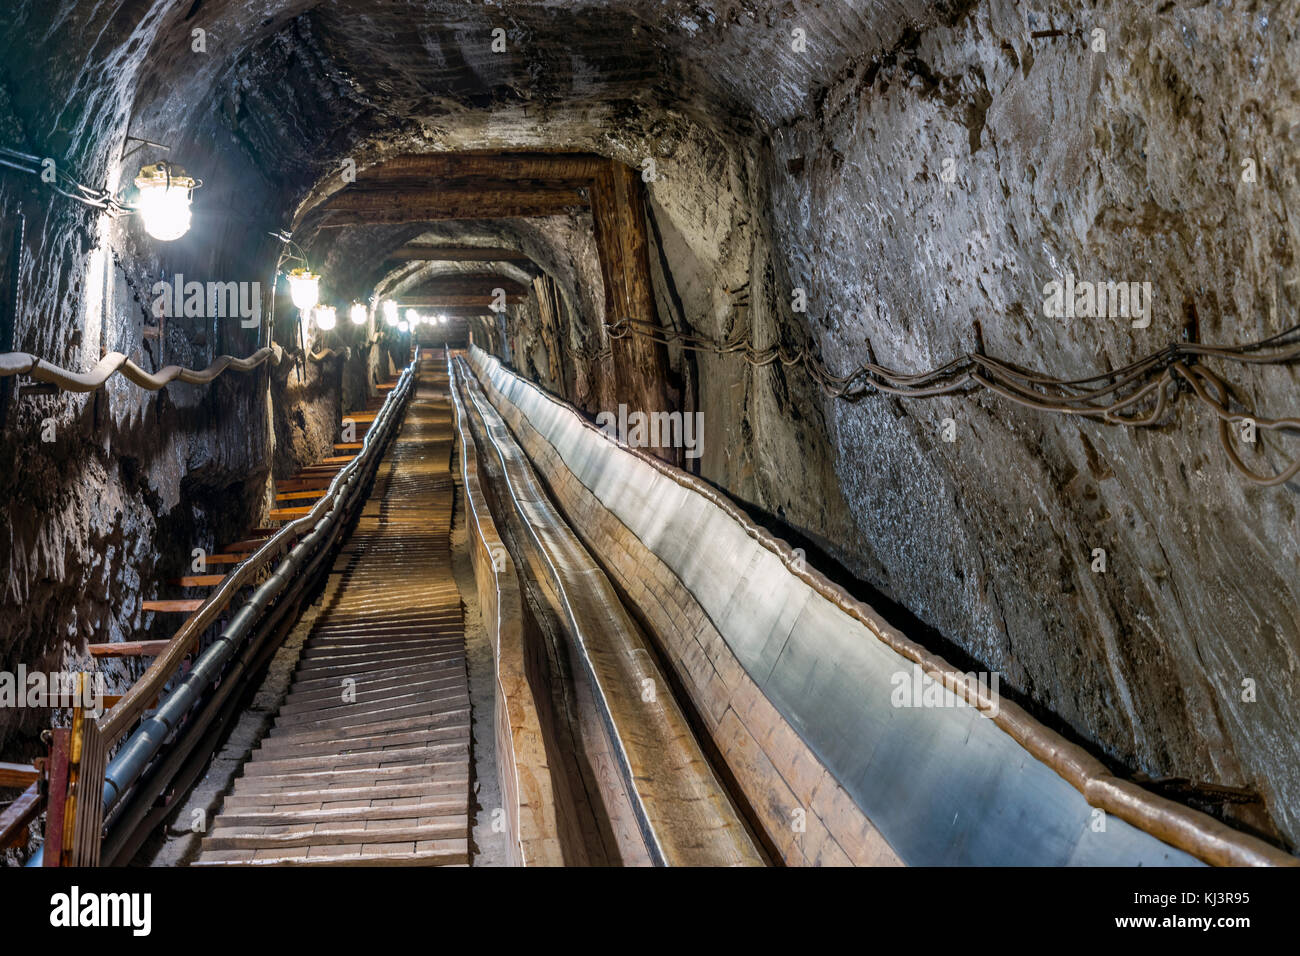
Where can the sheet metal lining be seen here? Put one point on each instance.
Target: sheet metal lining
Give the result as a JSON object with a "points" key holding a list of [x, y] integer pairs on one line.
{"points": [[943, 784]]}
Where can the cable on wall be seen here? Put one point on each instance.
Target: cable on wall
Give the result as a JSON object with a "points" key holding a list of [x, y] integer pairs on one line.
{"points": [[70, 186], [114, 363], [1137, 395]]}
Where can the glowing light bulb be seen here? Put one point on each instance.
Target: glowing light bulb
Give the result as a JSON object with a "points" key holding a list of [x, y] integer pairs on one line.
{"points": [[403, 326], [325, 317], [412, 316], [390, 312], [358, 313], [304, 288], [442, 320], [164, 204]]}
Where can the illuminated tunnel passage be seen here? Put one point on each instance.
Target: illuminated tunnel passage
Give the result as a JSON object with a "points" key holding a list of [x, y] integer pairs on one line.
{"points": [[625, 434]]}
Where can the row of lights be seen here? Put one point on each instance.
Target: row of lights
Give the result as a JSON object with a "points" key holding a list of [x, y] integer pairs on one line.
{"points": [[304, 289], [413, 318], [166, 193]]}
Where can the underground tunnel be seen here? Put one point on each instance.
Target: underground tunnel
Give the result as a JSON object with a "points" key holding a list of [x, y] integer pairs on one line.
{"points": [[616, 433]]}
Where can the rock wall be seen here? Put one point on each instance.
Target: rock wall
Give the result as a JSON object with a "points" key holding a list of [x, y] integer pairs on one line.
{"points": [[1125, 164], [104, 495]]}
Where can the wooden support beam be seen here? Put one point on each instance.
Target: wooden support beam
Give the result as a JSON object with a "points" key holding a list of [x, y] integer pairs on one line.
{"points": [[466, 283], [563, 167], [481, 185], [463, 311], [547, 302], [640, 365], [348, 445], [478, 300], [359, 205], [457, 254], [56, 816]]}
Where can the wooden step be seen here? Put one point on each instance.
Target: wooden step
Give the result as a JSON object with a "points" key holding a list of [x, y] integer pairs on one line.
{"points": [[364, 776], [173, 607], [394, 831], [425, 853], [299, 495], [242, 549], [303, 484], [232, 556], [199, 580], [381, 777], [326, 796], [297, 816]]}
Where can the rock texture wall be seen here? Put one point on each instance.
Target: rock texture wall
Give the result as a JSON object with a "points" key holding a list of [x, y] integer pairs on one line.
{"points": [[1120, 165], [103, 496]]}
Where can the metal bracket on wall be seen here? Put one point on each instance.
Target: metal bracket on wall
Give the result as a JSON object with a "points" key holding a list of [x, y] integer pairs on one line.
{"points": [[143, 143]]}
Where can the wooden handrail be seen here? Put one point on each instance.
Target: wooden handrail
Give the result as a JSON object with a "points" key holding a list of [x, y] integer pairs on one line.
{"points": [[150, 686], [15, 817]]}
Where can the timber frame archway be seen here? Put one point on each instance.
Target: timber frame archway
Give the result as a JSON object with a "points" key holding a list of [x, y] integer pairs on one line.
{"points": [[493, 184]]}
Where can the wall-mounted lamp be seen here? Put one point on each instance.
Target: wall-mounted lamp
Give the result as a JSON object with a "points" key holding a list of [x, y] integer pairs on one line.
{"points": [[358, 313], [403, 326], [304, 288], [164, 204], [390, 312], [412, 317], [326, 316]]}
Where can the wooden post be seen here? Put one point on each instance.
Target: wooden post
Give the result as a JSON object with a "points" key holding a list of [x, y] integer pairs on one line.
{"points": [[544, 291], [640, 365], [491, 185], [56, 803]]}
